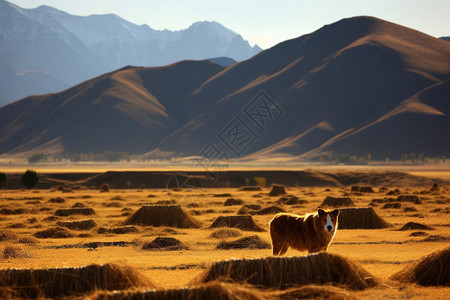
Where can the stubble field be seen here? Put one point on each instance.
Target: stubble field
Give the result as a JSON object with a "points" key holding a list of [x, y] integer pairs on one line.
{"points": [[105, 236]]}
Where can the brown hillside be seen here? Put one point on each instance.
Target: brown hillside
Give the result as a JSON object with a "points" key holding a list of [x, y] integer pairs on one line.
{"points": [[341, 77], [340, 88], [131, 110]]}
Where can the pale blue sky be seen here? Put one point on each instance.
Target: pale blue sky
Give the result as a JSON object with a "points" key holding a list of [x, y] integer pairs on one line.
{"points": [[263, 22]]}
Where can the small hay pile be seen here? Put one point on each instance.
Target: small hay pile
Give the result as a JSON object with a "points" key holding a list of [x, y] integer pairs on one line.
{"points": [[268, 211], [118, 230], [223, 195], [250, 188], [233, 201], [162, 215], [361, 218], [247, 209], [57, 200], [430, 270], [241, 222], [225, 233], [249, 242], [286, 272], [277, 190], [78, 225], [409, 198], [164, 244], [337, 202], [415, 226], [58, 282], [394, 205], [53, 233], [291, 200], [65, 212]]}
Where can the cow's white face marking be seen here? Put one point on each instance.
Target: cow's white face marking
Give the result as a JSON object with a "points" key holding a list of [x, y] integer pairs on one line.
{"points": [[329, 225]]}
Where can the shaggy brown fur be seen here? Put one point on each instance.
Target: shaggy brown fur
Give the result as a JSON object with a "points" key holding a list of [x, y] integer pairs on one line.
{"points": [[302, 232]]}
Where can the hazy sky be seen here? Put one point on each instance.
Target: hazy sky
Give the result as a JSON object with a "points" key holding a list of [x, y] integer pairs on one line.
{"points": [[263, 22]]}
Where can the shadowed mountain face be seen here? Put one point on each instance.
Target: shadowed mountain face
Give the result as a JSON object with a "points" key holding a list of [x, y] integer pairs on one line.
{"points": [[47, 50], [361, 85]]}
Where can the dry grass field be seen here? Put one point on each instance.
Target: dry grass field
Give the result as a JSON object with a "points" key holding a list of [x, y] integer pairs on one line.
{"points": [[46, 229]]}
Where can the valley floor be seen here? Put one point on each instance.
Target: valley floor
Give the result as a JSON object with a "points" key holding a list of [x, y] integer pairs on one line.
{"points": [[382, 252]]}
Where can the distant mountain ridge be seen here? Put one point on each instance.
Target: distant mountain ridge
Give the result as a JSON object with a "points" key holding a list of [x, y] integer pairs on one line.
{"points": [[359, 86], [46, 50]]}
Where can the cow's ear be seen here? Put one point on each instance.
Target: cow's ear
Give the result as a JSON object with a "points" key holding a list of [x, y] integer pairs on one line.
{"points": [[336, 212], [320, 211]]}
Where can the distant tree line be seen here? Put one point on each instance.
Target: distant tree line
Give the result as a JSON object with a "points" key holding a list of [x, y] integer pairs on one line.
{"points": [[345, 158], [411, 158], [421, 158], [109, 156]]}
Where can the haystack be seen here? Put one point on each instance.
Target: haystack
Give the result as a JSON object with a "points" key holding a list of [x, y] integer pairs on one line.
{"points": [[395, 205], [248, 209], [53, 233], [118, 230], [64, 212], [250, 188], [415, 226], [337, 202], [361, 218], [277, 190], [271, 210], [286, 272], [211, 290], [291, 200], [58, 282], [355, 188], [233, 201], [435, 188], [162, 215], [225, 233], [366, 189], [409, 198], [430, 270], [241, 222], [164, 244], [56, 200], [249, 242], [78, 225]]}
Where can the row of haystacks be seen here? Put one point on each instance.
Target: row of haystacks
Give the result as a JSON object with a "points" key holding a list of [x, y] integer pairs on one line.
{"points": [[292, 277], [58, 282], [174, 216], [402, 198]]}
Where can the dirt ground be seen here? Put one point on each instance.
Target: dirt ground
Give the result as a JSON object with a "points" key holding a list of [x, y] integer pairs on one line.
{"points": [[380, 251]]}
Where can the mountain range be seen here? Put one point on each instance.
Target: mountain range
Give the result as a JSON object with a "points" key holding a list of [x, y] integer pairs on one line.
{"points": [[360, 86], [47, 50]]}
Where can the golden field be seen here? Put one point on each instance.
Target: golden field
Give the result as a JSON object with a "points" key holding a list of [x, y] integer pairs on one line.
{"points": [[382, 252]]}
